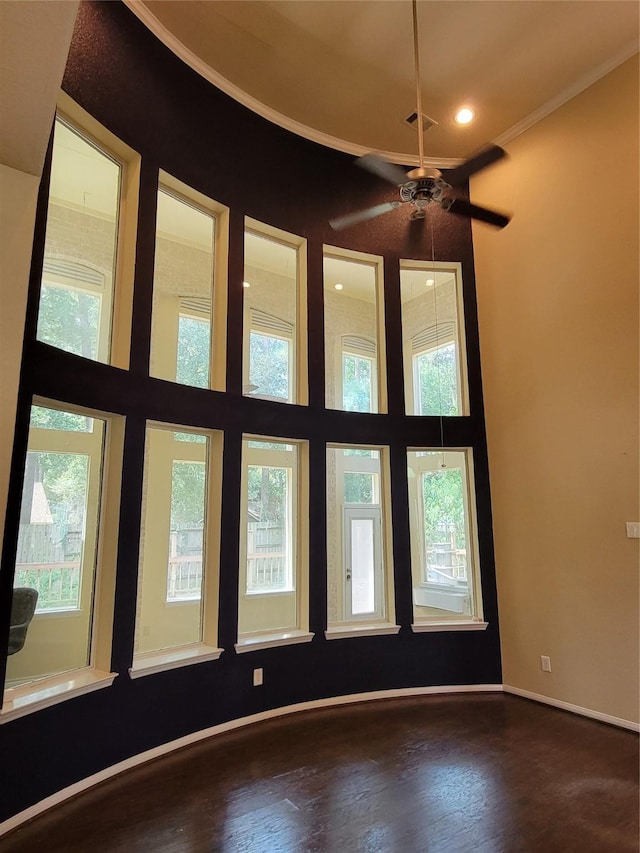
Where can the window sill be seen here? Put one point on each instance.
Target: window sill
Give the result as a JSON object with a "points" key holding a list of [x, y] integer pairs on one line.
{"points": [[422, 627], [36, 695], [269, 641], [365, 630], [149, 663]]}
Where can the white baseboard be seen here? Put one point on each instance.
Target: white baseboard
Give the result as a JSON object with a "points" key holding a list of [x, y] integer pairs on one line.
{"points": [[575, 709], [165, 748]]}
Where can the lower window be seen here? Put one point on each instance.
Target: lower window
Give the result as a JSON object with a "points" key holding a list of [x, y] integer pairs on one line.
{"points": [[358, 589], [271, 579], [443, 543], [54, 616], [178, 542]]}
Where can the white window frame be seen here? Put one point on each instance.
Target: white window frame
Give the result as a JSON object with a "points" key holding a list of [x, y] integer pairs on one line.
{"points": [[117, 319], [380, 621], [298, 346], [50, 690], [158, 660], [297, 527], [463, 606], [334, 343], [186, 195], [453, 331]]}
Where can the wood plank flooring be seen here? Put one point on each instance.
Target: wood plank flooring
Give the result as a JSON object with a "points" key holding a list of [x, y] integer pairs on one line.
{"points": [[442, 774]]}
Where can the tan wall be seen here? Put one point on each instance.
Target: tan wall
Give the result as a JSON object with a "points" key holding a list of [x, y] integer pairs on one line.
{"points": [[558, 305], [17, 212]]}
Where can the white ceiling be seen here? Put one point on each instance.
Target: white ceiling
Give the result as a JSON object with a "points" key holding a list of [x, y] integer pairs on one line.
{"points": [[342, 71]]}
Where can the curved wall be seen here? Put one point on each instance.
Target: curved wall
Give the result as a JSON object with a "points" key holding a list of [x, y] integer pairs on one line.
{"points": [[134, 86]]}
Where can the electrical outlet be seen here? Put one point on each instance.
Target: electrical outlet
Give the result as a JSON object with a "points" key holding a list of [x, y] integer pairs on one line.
{"points": [[258, 677], [633, 529], [545, 663]]}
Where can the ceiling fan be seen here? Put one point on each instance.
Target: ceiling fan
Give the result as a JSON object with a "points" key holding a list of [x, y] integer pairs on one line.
{"points": [[424, 185]]}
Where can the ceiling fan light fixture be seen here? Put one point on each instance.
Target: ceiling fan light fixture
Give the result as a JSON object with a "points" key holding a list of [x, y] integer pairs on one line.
{"points": [[465, 115]]}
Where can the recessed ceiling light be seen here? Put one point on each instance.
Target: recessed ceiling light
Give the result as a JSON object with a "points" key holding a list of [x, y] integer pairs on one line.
{"points": [[465, 115], [430, 282], [338, 286], [246, 284]]}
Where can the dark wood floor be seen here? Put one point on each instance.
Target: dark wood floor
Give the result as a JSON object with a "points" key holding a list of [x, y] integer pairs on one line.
{"points": [[491, 773]]}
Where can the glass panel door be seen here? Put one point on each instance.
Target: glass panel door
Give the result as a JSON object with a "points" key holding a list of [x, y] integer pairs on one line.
{"points": [[362, 562]]}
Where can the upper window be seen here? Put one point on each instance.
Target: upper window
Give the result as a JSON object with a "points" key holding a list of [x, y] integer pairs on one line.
{"points": [[184, 347], [433, 339], [274, 316], [353, 320], [76, 298]]}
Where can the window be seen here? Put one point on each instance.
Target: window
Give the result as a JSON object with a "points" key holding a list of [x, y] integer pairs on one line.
{"points": [[178, 543], [186, 328], [442, 526], [65, 514], [354, 332], [359, 589], [358, 377], [81, 248], [271, 362], [433, 339], [272, 568], [274, 359]]}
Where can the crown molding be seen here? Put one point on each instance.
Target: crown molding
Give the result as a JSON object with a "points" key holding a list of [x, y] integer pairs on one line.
{"points": [[219, 81], [570, 92], [152, 23]]}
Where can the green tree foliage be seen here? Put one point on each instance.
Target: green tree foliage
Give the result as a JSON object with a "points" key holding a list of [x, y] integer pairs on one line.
{"points": [[68, 319], [267, 492], [444, 506], [357, 383], [269, 365], [438, 382], [194, 344], [55, 419], [188, 485], [358, 487]]}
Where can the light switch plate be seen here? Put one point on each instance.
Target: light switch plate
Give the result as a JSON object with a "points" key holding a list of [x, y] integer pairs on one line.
{"points": [[633, 529]]}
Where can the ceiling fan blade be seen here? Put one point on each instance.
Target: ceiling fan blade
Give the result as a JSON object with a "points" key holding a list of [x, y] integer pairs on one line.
{"points": [[383, 169], [464, 208], [459, 174], [362, 215]]}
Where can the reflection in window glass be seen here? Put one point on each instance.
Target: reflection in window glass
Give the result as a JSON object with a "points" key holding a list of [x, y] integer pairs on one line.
{"points": [[268, 572], [434, 358], [270, 318], [76, 297], [57, 545], [355, 540], [172, 547], [182, 292], [351, 334], [270, 371], [358, 383], [441, 554]]}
